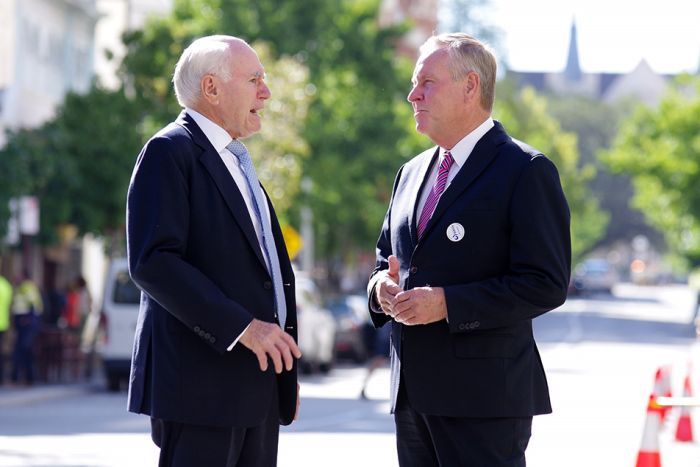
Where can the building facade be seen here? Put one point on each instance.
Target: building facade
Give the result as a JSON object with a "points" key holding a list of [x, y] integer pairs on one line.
{"points": [[46, 50]]}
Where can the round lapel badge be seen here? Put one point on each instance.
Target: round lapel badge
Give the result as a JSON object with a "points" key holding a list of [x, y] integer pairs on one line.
{"points": [[455, 232]]}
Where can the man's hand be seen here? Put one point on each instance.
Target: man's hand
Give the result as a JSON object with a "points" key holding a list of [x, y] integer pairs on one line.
{"points": [[387, 287], [268, 339], [422, 305]]}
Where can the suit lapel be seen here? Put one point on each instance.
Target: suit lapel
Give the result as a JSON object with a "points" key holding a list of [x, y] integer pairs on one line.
{"points": [[423, 172], [224, 182], [483, 154]]}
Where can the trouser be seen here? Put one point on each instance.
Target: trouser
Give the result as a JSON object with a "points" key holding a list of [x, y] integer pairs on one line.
{"points": [[2, 357], [429, 440], [23, 353]]}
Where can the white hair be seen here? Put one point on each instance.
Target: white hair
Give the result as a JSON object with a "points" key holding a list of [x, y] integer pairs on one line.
{"points": [[205, 56]]}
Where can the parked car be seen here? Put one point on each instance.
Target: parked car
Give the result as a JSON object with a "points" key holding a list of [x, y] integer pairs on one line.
{"points": [[316, 327], [352, 321], [594, 275], [109, 330]]}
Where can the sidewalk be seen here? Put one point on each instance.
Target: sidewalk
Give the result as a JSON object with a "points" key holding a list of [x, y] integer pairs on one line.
{"points": [[25, 395]]}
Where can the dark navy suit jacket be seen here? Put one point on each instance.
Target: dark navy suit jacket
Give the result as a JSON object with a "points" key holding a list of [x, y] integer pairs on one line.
{"points": [[194, 253], [512, 265]]}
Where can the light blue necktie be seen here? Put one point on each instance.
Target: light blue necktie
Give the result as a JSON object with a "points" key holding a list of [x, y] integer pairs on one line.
{"points": [[259, 203]]}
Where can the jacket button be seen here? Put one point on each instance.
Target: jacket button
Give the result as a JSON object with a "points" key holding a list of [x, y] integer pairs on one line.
{"points": [[413, 270], [196, 329], [461, 326], [212, 339], [476, 324], [207, 335], [201, 333], [267, 285]]}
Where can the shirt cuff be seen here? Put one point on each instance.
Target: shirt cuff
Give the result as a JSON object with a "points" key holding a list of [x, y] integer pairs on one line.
{"points": [[230, 347]]}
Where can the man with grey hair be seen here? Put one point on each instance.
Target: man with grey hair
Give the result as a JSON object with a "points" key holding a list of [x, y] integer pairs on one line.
{"points": [[214, 361], [475, 244]]}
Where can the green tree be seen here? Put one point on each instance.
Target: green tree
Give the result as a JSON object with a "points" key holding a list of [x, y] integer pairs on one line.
{"points": [[526, 117], [660, 149], [596, 125], [77, 164]]}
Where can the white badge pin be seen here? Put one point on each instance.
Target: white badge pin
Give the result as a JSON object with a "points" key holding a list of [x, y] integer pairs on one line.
{"points": [[455, 232]]}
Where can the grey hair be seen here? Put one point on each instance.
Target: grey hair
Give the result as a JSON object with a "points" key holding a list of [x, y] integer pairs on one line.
{"points": [[468, 54], [205, 56]]}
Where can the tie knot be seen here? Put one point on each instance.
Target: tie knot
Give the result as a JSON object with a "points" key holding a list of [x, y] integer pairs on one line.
{"points": [[237, 148], [447, 161]]}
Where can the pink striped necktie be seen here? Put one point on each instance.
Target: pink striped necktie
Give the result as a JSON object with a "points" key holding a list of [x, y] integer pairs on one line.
{"points": [[435, 193]]}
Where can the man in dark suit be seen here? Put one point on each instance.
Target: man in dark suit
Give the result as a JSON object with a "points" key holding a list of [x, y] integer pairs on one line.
{"points": [[475, 244], [205, 247]]}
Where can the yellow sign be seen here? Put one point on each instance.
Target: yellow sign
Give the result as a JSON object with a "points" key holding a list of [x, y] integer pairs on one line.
{"points": [[293, 241]]}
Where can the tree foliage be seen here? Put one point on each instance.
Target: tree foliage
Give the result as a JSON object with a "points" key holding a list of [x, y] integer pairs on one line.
{"points": [[77, 164], [660, 149], [526, 117], [596, 124]]}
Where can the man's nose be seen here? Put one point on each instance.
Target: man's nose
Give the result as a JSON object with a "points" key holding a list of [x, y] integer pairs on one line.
{"points": [[265, 92], [413, 95]]}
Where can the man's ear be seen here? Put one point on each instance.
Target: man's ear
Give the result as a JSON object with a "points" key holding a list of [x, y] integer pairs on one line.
{"points": [[471, 86], [209, 89]]}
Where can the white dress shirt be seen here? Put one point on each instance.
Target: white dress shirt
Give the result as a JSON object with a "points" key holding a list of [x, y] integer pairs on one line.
{"points": [[460, 152]]}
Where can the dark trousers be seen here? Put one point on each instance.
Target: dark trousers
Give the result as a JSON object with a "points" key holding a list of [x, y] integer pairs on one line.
{"points": [[429, 440], [26, 329], [2, 357], [186, 445]]}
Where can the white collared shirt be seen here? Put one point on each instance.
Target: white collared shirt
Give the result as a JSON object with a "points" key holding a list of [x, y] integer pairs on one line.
{"points": [[460, 152]]}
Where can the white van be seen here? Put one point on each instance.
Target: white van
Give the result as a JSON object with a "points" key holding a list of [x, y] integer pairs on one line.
{"points": [[110, 330]]}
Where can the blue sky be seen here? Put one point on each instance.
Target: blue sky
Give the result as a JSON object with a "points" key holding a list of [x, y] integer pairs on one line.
{"points": [[613, 35]]}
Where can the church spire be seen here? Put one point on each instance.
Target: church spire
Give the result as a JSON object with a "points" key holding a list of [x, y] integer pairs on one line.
{"points": [[572, 72]]}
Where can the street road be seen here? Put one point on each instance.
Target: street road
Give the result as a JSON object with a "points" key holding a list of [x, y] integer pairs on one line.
{"points": [[600, 353]]}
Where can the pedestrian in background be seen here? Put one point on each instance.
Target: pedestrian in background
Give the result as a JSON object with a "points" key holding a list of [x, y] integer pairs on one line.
{"points": [[5, 302], [205, 247], [475, 244], [27, 307], [378, 348], [77, 306]]}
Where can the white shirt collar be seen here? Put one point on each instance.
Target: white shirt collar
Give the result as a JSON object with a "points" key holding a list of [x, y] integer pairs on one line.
{"points": [[217, 136], [461, 151]]}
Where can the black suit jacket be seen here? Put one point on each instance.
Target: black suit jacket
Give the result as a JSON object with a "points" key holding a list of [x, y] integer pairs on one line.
{"points": [[193, 251], [512, 265]]}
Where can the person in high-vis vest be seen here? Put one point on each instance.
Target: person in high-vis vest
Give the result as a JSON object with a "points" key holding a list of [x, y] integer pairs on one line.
{"points": [[5, 301], [27, 307]]}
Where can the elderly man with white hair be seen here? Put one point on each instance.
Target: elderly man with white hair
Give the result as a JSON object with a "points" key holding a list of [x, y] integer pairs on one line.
{"points": [[215, 354]]}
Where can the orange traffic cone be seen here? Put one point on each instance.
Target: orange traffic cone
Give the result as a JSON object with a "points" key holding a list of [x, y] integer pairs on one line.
{"points": [[662, 387], [684, 430], [649, 455]]}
